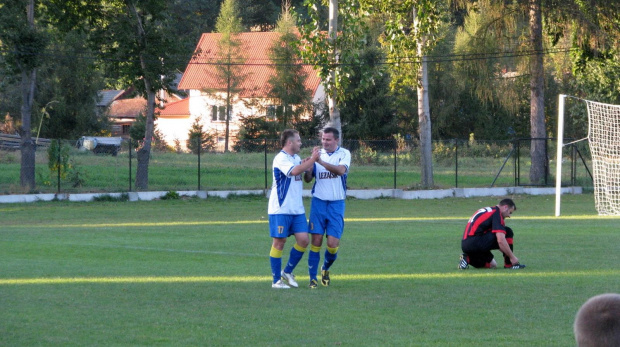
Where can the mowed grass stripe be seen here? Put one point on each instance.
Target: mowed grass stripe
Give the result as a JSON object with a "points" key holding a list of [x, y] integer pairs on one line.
{"points": [[349, 220], [344, 278]]}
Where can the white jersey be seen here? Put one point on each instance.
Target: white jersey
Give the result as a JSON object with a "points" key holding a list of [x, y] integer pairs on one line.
{"points": [[329, 186], [286, 190]]}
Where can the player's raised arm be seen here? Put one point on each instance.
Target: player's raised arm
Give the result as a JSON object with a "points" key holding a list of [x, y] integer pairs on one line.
{"points": [[306, 164]]}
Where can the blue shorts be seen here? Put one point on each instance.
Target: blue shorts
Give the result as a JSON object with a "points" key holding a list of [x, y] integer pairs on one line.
{"points": [[285, 225], [327, 217]]}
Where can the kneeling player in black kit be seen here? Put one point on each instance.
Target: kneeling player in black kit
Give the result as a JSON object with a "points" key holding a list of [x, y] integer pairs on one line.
{"points": [[486, 231]]}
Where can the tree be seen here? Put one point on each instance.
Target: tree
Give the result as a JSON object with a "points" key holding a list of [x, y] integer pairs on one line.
{"points": [[333, 54], [135, 42], [411, 30], [592, 24], [370, 112], [260, 14], [230, 58], [287, 84], [25, 45], [69, 83], [199, 141]]}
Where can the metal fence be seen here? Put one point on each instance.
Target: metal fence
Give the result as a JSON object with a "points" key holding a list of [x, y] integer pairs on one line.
{"points": [[70, 167]]}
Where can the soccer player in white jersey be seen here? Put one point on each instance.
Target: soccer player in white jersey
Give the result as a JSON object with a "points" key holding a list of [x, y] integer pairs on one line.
{"points": [[327, 211], [287, 215]]}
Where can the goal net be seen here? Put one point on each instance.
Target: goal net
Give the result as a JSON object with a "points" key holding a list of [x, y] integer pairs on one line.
{"points": [[604, 139]]}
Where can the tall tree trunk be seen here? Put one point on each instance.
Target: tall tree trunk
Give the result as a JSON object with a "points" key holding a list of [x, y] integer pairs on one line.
{"points": [[334, 111], [144, 153], [27, 146], [537, 101], [424, 123], [424, 114]]}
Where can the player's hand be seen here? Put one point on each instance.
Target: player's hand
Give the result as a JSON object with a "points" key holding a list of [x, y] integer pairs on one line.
{"points": [[514, 260], [316, 155]]}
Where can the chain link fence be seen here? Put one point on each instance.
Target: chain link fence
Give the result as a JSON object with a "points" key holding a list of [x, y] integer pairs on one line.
{"points": [[64, 166]]}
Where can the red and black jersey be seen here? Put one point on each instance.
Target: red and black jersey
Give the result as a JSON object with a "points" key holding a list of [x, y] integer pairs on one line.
{"points": [[488, 219]]}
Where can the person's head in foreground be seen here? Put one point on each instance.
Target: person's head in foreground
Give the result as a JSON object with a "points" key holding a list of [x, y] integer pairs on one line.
{"points": [[597, 323]]}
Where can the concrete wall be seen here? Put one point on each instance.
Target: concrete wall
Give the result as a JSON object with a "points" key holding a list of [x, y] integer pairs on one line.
{"points": [[358, 194]]}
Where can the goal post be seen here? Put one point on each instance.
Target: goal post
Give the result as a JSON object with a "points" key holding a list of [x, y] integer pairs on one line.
{"points": [[558, 163], [604, 142]]}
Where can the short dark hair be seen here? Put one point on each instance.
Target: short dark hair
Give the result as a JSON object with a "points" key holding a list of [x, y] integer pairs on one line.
{"points": [[333, 131], [286, 135], [509, 203], [597, 322]]}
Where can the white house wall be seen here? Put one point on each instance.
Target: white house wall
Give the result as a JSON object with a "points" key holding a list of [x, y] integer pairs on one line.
{"points": [[177, 128]]}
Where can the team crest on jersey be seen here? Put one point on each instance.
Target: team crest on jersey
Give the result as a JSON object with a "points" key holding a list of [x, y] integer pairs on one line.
{"points": [[298, 178]]}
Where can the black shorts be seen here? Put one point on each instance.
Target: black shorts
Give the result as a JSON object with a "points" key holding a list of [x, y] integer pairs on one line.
{"points": [[478, 248]]}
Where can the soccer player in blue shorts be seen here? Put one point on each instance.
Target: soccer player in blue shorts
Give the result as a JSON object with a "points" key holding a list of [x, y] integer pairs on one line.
{"points": [[327, 210], [287, 215], [486, 231]]}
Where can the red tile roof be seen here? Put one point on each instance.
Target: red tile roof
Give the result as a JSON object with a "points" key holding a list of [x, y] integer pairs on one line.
{"points": [[201, 72], [127, 108], [175, 109]]}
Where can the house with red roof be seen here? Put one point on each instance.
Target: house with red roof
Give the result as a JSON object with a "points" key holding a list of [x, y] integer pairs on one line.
{"points": [[122, 107], [207, 92]]}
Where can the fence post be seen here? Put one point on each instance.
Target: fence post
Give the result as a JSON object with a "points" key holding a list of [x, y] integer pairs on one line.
{"points": [[199, 149], [456, 163], [395, 155], [573, 165], [130, 148], [59, 164], [265, 147]]}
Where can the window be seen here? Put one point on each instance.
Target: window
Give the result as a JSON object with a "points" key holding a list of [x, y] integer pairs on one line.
{"points": [[218, 113], [271, 112], [274, 112]]}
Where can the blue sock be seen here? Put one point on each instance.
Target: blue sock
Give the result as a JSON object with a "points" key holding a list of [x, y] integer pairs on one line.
{"points": [[296, 253], [275, 258], [314, 257], [330, 257]]}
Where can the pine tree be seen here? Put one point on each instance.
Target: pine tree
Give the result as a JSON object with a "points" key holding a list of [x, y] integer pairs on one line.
{"points": [[287, 85], [198, 140], [230, 58]]}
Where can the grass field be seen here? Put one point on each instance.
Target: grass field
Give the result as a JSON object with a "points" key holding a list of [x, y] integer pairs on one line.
{"points": [[196, 273]]}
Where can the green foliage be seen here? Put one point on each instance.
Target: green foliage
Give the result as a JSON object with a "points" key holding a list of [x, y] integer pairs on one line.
{"points": [[368, 110], [253, 132], [340, 53], [58, 159], [403, 33], [365, 154], [228, 21], [76, 176], [23, 44], [171, 195], [67, 92], [287, 84], [137, 130], [198, 139], [111, 198]]}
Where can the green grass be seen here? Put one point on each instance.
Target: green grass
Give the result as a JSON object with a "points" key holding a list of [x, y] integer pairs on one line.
{"points": [[196, 272]]}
